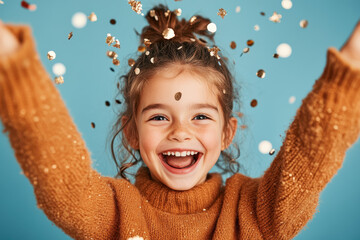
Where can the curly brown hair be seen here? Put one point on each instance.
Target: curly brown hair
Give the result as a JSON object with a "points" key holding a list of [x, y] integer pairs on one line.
{"points": [[185, 48]]}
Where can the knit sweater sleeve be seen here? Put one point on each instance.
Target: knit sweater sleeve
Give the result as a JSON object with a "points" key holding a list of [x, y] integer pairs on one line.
{"points": [[49, 147], [325, 126]]}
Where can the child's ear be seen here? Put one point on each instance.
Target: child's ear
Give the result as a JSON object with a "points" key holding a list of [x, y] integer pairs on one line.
{"points": [[130, 133], [230, 133]]}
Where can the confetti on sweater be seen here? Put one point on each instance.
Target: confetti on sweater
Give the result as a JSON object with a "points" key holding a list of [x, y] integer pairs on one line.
{"points": [[222, 13], [214, 52], [26, 5], [92, 17], [136, 6], [275, 17], [51, 55]]}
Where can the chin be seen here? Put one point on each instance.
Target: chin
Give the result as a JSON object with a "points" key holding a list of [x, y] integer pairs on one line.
{"points": [[181, 186]]}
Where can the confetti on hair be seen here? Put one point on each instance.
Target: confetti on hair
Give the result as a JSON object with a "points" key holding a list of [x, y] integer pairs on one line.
{"points": [[222, 13], [1, 2], [59, 80], [109, 39], [214, 51], [112, 21], [136, 6], [92, 17], [178, 96], [192, 20], [179, 47], [117, 43], [51, 55], [245, 50], [253, 103], [178, 12], [28, 6], [147, 53], [233, 45], [304, 23], [260, 73], [70, 35], [275, 17], [131, 62], [152, 60], [168, 33], [153, 14], [167, 13], [147, 42], [137, 71]]}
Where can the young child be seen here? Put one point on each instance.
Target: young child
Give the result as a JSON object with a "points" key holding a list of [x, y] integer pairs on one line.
{"points": [[178, 116]]}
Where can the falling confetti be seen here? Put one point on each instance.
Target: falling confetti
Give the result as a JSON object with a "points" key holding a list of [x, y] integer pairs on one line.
{"points": [[117, 101], [276, 55], [253, 103], [168, 33], [26, 5], [211, 27], [111, 69], [237, 9], [131, 62], [79, 20], [59, 69], [265, 147], [214, 52], [178, 96], [256, 27], [141, 49], [245, 50], [112, 21], [116, 62], [250, 42], [111, 54], [92, 17], [137, 71], [92, 124], [286, 4], [147, 42], [275, 17], [178, 12], [59, 80], [222, 13], [70, 35], [292, 99], [284, 50], [260, 73], [233, 45], [304, 23], [109, 39], [136, 6], [107, 103], [272, 151], [117, 43], [51, 55]]}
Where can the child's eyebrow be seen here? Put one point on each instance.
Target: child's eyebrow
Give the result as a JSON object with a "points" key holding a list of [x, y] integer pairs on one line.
{"points": [[164, 106]]}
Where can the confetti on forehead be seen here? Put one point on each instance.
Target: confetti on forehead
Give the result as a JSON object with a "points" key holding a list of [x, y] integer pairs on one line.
{"points": [[178, 96], [214, 52], [222, 13]]}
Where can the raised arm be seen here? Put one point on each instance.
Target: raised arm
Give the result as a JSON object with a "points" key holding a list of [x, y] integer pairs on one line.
{"points": [[47, 144], [325, 126]]}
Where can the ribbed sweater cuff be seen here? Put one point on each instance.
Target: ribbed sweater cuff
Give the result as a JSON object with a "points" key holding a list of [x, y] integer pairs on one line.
{"points": [[22, 76]]}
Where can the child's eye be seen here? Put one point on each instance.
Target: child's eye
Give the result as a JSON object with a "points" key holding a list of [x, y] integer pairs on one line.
{"points": [[158, 118], [201, 117]]}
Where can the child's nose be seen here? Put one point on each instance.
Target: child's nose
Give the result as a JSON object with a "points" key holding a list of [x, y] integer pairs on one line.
{"points": [[180, 133]]}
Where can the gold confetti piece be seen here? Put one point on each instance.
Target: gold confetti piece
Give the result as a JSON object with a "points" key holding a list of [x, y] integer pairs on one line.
{"points": [[304, 23], [141, 49], [136, 6], [116, 62], [131, 62], [51, 55], [147, 42], [272, 151], [262, 13], [233, 45], [260, 73], [152, 60], [253, 103], [192, 39], [109, 39], [192, 20], [111, 54], [137, 71], [147, 53], [275, 17], [250, 42], [214, 51], [167, 13], [178, 96], [168, 33], [153, 14], [59, 80], [117, 43], [178, 12], [92, 124], [256, 27], [222, 13], [92, 17], [276, 55], [70, 35]]}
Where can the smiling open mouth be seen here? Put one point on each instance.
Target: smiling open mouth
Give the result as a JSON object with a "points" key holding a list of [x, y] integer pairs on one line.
{"points": [[180, 162]]}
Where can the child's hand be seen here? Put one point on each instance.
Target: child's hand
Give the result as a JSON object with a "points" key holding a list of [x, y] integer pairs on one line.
{"points": [[351, 49], [8, 42]]}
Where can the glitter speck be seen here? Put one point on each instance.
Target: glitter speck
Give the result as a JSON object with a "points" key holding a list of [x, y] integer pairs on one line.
{"points": [[222, 13], [233, 45]]}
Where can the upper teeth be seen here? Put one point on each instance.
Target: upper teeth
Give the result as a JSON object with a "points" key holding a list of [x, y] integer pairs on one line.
{"points": [[182, 154]]}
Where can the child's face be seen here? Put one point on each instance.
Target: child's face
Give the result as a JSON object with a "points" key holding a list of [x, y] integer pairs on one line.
{"points": [[165, 125]]}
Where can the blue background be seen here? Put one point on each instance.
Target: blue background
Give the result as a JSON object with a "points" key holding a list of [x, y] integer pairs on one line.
{"points": [[89, 83]]}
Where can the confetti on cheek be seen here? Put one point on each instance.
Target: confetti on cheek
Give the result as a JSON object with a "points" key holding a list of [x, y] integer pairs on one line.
{"points": [[211, 27], [59, 69], [265, 147], [284, 50], [141, 49], [137, 71], [222, 13], [79, 20], [131, 62], [51, 55], [26, 5], [286, 4], [250, 42], [178, 96], [304, 23]]}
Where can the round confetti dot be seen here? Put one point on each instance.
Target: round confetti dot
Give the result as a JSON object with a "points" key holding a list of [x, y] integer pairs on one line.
{"points": [[253, 103], [112, 21], [107, 103], [284, 50], [276, 55], [250, 42], [265, 147], [79, 20], [137, 71], [178, 96], [233, 45], [286, 4], [59, 69], [256, 27], [51, 55], [93, 125], [211, 27], [237, 9], [304, 23], [292, 99], [116, 62], [260, 73]]}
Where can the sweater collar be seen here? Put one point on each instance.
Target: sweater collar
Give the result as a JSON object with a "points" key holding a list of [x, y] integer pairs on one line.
{"points": [[194, 200]]}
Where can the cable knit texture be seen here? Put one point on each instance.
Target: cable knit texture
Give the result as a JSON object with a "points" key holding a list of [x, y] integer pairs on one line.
{"points": [[86, 205]]}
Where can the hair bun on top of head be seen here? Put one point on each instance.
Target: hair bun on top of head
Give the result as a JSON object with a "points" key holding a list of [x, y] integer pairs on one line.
{"points": [[164, 25]]}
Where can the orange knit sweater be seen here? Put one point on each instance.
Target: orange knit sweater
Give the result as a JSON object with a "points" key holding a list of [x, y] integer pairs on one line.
{"points": [[86, 205]]}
